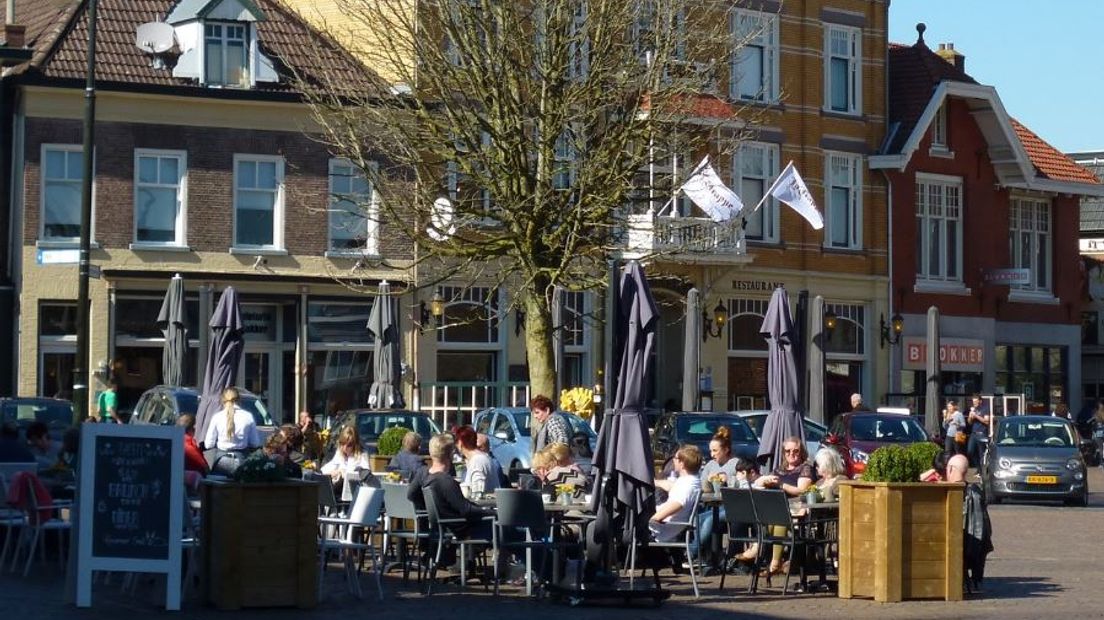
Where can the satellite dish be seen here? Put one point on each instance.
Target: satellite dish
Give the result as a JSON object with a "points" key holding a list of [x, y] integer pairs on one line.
{"points": [[155, 38], [440, 220]]}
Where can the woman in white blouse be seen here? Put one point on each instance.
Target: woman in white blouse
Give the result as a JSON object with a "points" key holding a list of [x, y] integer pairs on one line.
{"points": [[233, 433], [349, 457]]}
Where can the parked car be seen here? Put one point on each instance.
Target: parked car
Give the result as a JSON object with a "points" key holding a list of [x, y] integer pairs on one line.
{"points": [[676, 428], [163, 404], [1035, 457], [510, 434], [855, 435], [814, 431], [370, 424], [56, 413]]}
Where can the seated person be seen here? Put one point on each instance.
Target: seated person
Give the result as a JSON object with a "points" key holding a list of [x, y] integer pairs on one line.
{"points": [[450, 501], [562, 470], [483, 442], [11, 449], [794, 475], [479, 472], [408, 461], [294, 436], [349, 462], [44, 449], [830, 469], [681, 495], [193, 456], [947, 467], [956, 468]]}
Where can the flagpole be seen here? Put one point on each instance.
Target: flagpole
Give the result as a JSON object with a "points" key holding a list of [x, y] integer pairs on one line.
{"points": [[767, 194], [678, 190]]}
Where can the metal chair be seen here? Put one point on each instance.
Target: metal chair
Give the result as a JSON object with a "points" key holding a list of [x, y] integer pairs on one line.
{"points": [[741, 520], [524, 511], [772, 512], [354, 537], [399, 509], [443, 536], [689, 532], [11, 519], [36, 525]]}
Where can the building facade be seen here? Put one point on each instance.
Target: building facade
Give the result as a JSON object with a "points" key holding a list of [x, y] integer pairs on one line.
{"points": [[205, 167], [1092, 257], [984, 220]]}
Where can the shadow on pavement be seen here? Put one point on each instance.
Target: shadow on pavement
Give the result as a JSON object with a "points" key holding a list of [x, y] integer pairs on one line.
{"points": [[1017, 587]]}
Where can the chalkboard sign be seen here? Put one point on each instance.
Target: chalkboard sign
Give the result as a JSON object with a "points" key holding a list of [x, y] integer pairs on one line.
{"points": [[130, 498], [130, 514]]}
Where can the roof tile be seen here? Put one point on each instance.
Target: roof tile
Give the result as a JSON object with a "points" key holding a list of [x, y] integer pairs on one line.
{"points": [[1049, 161]]}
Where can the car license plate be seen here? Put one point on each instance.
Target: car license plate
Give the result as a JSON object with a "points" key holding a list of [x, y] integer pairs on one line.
{"points": [[1042, 479]]}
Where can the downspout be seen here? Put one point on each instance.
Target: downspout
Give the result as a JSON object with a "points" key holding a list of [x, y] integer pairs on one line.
{"points": [[893, 375], [15, 233]]}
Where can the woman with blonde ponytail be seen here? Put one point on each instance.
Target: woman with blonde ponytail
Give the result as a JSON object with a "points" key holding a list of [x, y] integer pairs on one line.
{"points": [[233, 434]]}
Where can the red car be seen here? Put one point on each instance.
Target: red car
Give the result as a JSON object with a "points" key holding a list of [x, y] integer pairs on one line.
{"points": [[855, 435]]}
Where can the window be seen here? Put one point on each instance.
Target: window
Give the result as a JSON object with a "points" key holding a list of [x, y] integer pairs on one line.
{"points": [[159, 197], [754, 65], [754, 167], [1029, 237], [354, 214], [62, 174], [849, 336], [226, 50], [460, 186], [843, 69], [575, 338], [939, 130], [745, 321], [843, 192], [57, 348], [563, 174], [469, 344], [258, 202], [650, 26], [938, 228], [579, 43], [339, 366]]}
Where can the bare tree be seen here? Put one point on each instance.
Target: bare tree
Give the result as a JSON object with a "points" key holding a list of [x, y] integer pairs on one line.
{"points": [[509, 140]]}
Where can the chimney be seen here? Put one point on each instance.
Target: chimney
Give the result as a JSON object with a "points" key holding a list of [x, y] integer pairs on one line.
{"points": [[14, 36], [947, 52]]}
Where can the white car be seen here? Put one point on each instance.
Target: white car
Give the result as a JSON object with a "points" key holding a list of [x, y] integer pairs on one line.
{"points": [[814, 431], [511, 437]]}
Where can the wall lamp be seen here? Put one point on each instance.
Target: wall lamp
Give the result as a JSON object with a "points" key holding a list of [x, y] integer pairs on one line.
{"points": [[519, 321], [830, 320], [891, 333], [436, 310], [718, 320]]}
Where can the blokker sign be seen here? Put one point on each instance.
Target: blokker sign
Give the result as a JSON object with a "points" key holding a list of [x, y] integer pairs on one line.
{"points": [[959, 354]]}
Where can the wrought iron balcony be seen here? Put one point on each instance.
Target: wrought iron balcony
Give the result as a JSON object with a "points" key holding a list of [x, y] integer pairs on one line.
{"points": [[685, 239]]}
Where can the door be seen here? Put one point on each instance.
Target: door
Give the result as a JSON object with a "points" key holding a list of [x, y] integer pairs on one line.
{"points": [[260, 374]]}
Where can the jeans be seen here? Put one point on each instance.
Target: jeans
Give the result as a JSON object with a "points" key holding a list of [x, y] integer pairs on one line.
{"points": [[705, 530], [973, 448]]}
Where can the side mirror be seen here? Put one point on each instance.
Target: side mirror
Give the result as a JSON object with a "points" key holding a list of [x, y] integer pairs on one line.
{"points": [[503, 435]]}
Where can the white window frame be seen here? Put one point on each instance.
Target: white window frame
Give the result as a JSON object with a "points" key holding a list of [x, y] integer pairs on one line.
{"points": [[946, 214], [579, 47], [755, 29], [854, 164], [62, 241], [939, 144], [769, 154], [563, 169], [277, 245], [181, 237], [854, 67], [371, 216], [249, 50], [1032, 217]]}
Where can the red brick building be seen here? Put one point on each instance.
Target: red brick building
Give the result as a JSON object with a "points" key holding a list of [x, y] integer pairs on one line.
{"points": [[976, 197]]}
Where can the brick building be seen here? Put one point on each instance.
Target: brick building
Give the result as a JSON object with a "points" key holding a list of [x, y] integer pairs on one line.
{"points": [[977, 196], [204, 166]]}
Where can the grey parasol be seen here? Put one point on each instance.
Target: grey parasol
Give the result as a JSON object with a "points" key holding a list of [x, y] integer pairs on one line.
{"points": [[784, 419], [691, 351], [172, 321], [933, 390], [387, 352], [221, 372], [624, 497]]}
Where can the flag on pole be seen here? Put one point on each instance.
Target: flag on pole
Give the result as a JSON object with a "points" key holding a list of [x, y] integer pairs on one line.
{"points": [[709, 192], [790, 189]]}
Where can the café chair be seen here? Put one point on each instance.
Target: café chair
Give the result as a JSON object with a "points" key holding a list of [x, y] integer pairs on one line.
{"points": [[689, 533], [741, 520], [40, 518], [776, 527], [353, 537], [522, 511], [11, 519], [399, 511], [443, 536]]}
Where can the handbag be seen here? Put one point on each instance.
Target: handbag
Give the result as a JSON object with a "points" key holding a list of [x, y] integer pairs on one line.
{"points": [[960, 437]]}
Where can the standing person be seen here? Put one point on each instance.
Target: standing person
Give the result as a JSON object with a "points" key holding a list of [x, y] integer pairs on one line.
{"points": [[978, 419], [233, 434], [1062, 410], [857, 403], [954, 429], [107, 404], [193, 456], [554, 428]]}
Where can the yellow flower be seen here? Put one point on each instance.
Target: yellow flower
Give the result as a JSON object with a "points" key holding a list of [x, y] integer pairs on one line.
{"points": [[578, 400]]}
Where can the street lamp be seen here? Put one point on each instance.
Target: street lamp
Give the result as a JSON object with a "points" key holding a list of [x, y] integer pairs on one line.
{"points": [[830, 321], [436, 310], [719, 318], [891, 333]]}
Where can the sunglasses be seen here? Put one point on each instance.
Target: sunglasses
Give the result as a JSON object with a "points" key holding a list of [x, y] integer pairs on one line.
{"points": [[791, 451]]}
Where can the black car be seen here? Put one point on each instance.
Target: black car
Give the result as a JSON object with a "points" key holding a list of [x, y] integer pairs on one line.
{"points": [[163, 404], [57, 414], [370, 424], [677, 428]]}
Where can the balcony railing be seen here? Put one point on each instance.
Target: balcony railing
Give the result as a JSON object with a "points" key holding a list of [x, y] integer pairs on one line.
{"points": [[455, 403], [696, 239]]}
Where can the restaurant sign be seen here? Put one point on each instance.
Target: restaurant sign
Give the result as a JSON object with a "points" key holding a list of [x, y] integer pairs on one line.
{"points": [[755, 285], [1007, 276], [960, 354]]}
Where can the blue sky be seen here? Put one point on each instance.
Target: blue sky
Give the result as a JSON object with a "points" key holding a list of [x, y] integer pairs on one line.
{"points": [[1043, 58]]}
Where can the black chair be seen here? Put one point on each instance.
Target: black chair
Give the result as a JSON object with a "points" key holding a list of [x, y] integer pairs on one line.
{"points": [[689, 533], [742, 523], [522, 511], [443, 536], [400, 511], [772, 511]]}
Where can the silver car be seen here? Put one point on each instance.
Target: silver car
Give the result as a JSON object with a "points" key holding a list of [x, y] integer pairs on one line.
{"points": [[511, 437], [1035, 457], [814, 431]]}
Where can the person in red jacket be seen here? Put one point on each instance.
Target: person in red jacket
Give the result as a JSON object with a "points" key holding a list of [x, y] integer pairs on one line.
{"points": [[193, 456]]}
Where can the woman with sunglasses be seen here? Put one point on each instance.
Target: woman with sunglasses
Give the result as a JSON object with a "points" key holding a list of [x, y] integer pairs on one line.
{"points": [[794, 474]]}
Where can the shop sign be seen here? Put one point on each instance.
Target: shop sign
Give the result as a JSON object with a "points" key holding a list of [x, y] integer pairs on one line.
{"points": [[1007, 276], [1094, 244], [260, 322], [959, 354], [755, 285]]}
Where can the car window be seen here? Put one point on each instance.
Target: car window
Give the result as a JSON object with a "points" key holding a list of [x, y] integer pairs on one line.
{"points": [[56, 416], [756, 422], [1056, 434], [187, 402], [522, 421], [698, 428], [837, 427], [502, 425], [579, 425], [897, 429], [371, 425], [813, 432], [484, 423]]}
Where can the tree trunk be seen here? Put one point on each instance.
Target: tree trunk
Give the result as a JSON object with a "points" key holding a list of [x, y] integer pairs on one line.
{"points": [[539, 346]]}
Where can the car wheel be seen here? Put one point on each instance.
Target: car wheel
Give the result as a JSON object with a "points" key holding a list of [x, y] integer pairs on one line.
{"points": [[1082, 501]]}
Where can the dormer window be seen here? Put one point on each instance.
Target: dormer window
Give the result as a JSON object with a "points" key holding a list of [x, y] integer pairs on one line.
{"points": [[226, 50]]}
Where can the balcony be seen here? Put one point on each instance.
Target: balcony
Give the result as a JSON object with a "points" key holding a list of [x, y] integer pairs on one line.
{"points": [[697, 240]]}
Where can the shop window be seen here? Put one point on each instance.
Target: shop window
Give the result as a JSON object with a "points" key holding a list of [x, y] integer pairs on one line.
{"points": [[57, 348], [340, 358]]}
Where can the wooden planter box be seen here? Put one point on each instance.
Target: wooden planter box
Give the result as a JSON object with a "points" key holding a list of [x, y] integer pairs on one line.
{"points": [[900, 540], [260, 544], [379, 462]]}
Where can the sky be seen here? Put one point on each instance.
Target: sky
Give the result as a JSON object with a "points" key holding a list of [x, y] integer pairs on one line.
{"points": [[1043, 58]]}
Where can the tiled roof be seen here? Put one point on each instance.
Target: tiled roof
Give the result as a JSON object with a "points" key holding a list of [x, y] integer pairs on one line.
{"points": [[1049, 161], [283, 36], [37, 17], [914, 73]]}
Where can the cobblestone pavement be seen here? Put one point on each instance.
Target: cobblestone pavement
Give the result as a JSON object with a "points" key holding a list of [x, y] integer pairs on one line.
{"points": [[1045, 563]]}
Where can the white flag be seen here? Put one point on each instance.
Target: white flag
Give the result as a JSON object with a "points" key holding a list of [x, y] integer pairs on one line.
{"points": [[790, 189], [709, 192]]}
